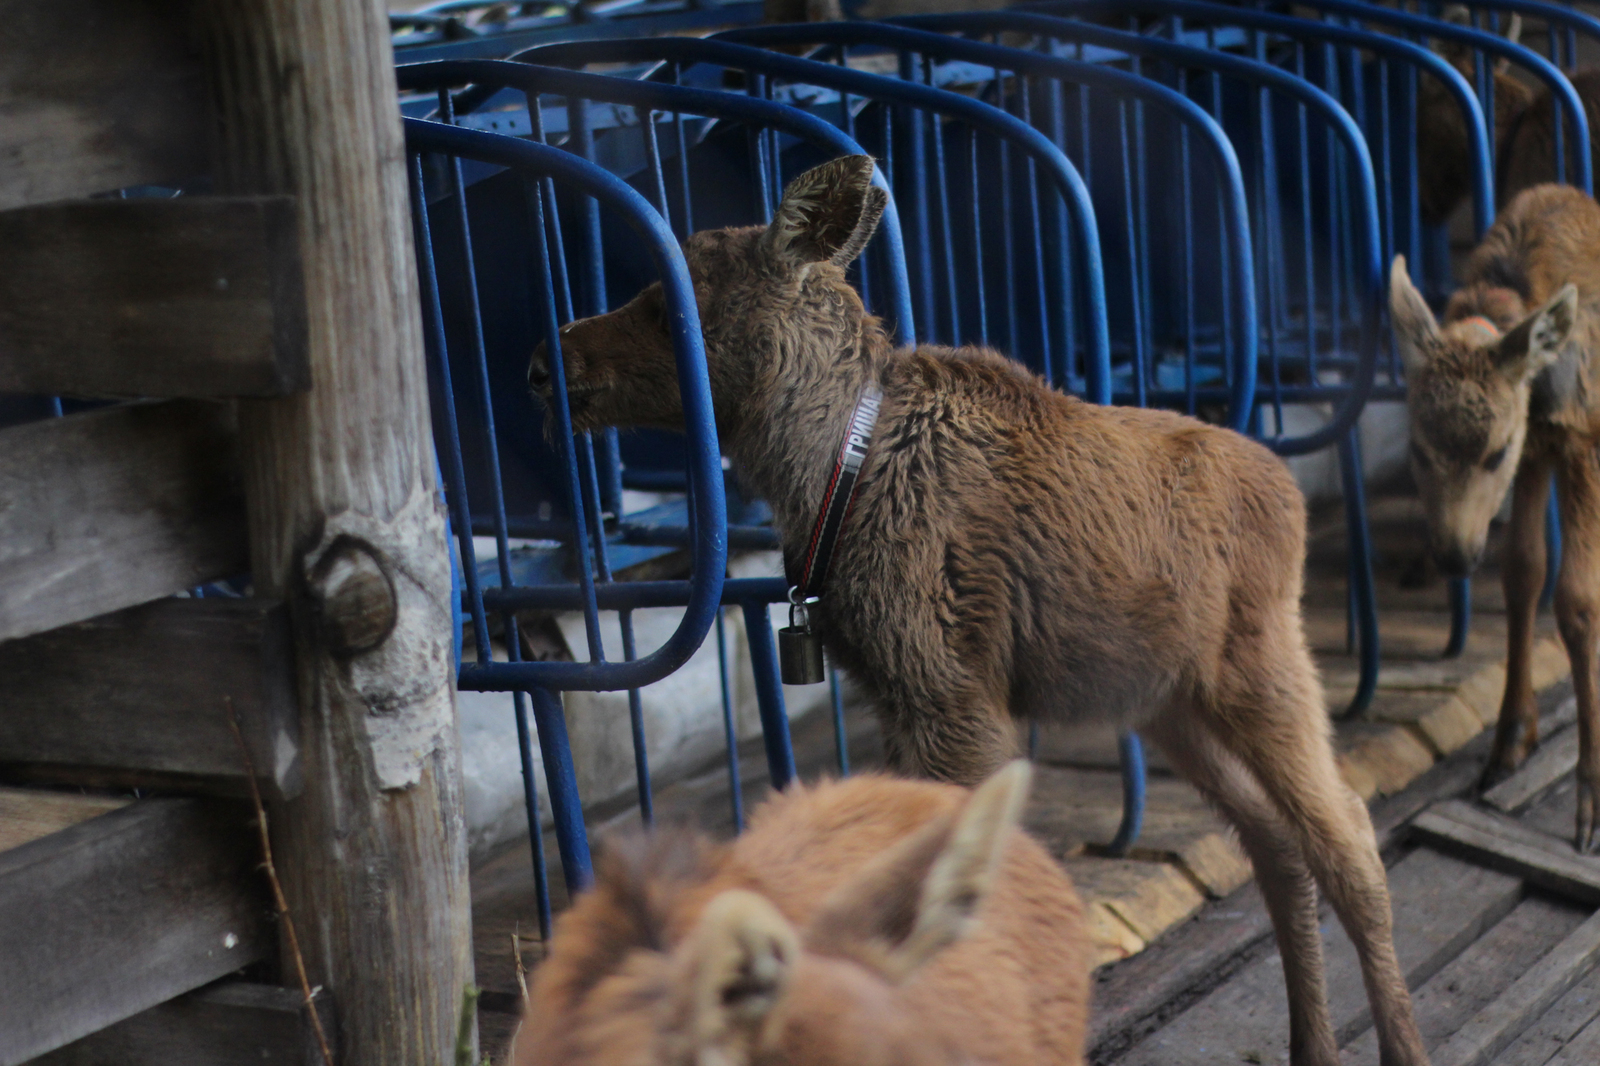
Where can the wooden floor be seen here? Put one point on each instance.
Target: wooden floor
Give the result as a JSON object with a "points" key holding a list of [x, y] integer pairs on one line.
{"points": [[1188, 972], [1495, 923]]}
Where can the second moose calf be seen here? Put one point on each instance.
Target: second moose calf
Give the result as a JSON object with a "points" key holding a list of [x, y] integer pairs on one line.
{"points": [[1503, 394]]}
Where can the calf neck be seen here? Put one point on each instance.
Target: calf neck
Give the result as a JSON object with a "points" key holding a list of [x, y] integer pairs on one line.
{"points": [[1014, 553], [1504, 394]]}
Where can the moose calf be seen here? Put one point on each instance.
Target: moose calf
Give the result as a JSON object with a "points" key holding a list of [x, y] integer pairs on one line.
{"points": [[1522, 138], [1502, 395], [870, 922], [1014, 553]]}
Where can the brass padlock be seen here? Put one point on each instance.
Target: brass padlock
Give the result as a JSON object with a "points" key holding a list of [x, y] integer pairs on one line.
{"points": [[799, 647]]}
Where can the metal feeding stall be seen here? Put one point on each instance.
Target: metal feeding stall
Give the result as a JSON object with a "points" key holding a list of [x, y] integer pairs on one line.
{"points": [[1245, 285]]}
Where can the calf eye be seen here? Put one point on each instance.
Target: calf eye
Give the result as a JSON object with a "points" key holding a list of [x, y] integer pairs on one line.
{"points": [[1419, 456], [1492, 463]]}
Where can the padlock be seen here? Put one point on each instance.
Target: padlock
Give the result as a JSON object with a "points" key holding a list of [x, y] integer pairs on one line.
{"points": [[799, 648]]}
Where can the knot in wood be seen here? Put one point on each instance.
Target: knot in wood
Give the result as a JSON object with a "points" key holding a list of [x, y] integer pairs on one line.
{"points": [[353, 597]]}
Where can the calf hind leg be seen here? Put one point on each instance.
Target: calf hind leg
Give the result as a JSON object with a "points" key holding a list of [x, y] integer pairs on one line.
{"points": [[1281, 871], [1269, 715], [1578, 615]]}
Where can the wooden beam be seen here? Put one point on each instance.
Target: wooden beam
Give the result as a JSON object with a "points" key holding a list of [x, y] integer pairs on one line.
{"points": [[97, 95], [103, 510], [234, 1023], [1492, 1029], [27, 814], [1496, 841], [1555, 758], [195, 296], [346, 525], [140, 694], [116, 914]]}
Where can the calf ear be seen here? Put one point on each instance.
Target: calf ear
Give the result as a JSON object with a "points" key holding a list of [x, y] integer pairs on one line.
{"points": [[740, 959], [1537, 341], [922, 896], [1415, 329], [828, 214]]}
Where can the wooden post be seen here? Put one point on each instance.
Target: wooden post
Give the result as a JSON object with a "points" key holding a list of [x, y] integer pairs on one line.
{"points": [[347, 525]]}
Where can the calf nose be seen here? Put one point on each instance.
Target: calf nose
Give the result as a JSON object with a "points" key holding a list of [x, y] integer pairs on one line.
{"points": [[538, 370]]}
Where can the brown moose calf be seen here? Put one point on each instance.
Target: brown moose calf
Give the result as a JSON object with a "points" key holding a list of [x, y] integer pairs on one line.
{"points": [[870, 922], [1503, 395], [1014, 553], [1522, 140]]}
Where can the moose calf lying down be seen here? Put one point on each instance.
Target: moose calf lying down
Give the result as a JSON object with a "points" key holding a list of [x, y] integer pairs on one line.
{"points": [[1014, 553], [1503, 394], [870, 922]]}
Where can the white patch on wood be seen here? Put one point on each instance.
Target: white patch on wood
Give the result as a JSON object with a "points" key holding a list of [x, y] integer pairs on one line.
{"points": [[406, 680]]}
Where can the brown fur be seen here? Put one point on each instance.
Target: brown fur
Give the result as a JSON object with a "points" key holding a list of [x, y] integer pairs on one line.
{"points": [[1017, 553], [1522, 140], [855, 951], [1490, 413]]}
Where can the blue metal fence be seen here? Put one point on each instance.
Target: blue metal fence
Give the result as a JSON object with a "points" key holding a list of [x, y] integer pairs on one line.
{"points": [[1092, 247]]}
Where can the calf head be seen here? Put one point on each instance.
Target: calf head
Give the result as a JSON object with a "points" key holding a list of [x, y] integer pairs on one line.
{"points": [[764, 293], [746, 987], [1467, 386]]}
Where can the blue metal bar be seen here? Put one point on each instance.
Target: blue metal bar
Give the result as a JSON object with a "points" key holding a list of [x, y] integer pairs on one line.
{"points": [[1552, 546], [900, 34], [1267, 77], [1365, 613], [888, 90], [710, 549], [841, 741], [1561, 89], [1481, 148], [1131, 751], [730, 729], [571, 838], [769, 693], [681, 100]]}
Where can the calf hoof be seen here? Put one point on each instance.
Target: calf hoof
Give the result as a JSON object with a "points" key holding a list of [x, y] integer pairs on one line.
{"points": [[1585, 840], [1505, 761]]}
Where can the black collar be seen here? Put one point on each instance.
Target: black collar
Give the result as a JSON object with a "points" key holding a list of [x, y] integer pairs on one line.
{"points": [[840, 494]]}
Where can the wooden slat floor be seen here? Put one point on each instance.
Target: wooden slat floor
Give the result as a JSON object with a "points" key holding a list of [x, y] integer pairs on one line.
{"points": [[1502, 970]]}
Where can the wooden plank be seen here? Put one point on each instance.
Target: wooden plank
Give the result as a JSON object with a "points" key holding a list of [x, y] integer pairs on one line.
{"points": [[1556, 758], [1440, 906], [1584, 1049], [345, 526], [1557, 1027], [229, 1024], [1482, 1038], [112, 916], [197, 296], [97, 95], [140, 692], [1474, 981], [103, 510], [1497, 841], [30, 813]]}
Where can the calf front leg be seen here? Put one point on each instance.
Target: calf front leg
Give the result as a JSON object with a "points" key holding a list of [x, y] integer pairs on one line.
{"points": [[1578, 614], [1523, 572]]}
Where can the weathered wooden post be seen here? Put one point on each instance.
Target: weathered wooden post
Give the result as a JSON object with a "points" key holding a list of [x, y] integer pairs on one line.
{"points": [[346, 524]]}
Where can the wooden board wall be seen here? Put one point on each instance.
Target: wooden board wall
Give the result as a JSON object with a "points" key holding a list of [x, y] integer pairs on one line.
{"points": [[136, 696], [194, 296], [112, 508], [119, 913], [97, 95]]}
